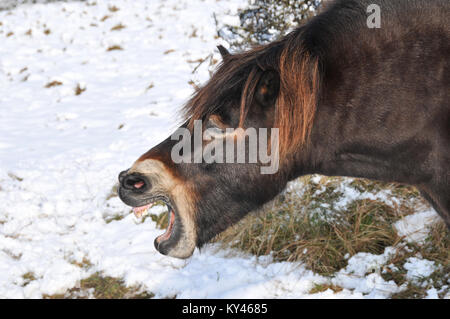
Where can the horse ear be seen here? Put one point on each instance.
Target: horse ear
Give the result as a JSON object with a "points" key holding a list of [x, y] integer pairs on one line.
{"points": [[268, 88], [223, 52]]}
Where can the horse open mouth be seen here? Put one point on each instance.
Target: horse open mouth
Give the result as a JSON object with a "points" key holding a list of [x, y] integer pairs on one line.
{"points": [[166, 237]]}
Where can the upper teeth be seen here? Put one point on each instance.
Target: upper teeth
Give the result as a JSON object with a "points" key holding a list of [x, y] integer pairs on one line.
{"points": [[141, 211]]}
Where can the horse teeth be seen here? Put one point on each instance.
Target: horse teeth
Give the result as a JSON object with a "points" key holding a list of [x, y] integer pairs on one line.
{"points": [[141, 211]]}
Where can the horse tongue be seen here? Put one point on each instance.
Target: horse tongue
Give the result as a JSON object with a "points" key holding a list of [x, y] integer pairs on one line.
{"points": [[139, 211]]}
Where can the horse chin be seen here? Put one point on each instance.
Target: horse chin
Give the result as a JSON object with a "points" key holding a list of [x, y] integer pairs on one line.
{"points": [[174, 246]]}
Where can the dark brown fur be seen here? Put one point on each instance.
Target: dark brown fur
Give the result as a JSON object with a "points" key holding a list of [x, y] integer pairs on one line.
{"points": [[348, 100]]}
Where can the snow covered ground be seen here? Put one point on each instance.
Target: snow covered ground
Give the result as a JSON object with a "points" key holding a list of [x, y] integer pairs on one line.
{"points": [[87, 87]]}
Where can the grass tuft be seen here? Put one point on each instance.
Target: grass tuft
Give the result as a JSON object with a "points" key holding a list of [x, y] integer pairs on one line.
{"points": [[99, 286], [313, 228], [52, 84], [315, 225], [79, 89], [27, 278], [151, 86], [15, 177], [311, 224], [85, 263], [113, 8], [324, 287], [436, 248], [114, 47], [118, 27]]}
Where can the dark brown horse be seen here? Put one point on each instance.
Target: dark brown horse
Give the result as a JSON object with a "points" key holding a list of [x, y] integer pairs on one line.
{"points": [[348, 100]]}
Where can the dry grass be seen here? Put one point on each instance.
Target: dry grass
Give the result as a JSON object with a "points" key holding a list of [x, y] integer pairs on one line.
{"points": [[321, 288], [15, 177], [27, 278], [79, 89], [168, 51], [436, 248], [52, 84], [99, 286], [113, 8], [85, 263], [118, 27], [114, 47], [151, 86], [312, 227]]}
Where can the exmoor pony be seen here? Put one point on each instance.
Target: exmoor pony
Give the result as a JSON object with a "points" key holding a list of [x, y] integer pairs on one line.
{"points": [[346, 99]]}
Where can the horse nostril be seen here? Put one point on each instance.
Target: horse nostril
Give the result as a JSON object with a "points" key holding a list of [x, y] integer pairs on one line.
{"points": [[134, 182]]}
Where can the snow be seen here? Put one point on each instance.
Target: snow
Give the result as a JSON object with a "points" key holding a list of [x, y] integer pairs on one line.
{"points": [[60, 154], [415, 227], [363, 274], [419, 268]]}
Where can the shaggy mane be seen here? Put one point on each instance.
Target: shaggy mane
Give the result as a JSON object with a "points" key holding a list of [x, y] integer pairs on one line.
{"points": [[240, 73]]}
